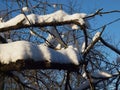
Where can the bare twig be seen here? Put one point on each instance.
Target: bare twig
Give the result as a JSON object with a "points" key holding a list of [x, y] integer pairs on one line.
{"points": [[67, 84], [90, 80], [109, 46], [98, 12], [118, 19], [94, 14]]}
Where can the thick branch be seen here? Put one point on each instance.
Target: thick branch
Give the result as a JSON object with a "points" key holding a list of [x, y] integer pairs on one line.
{"points": [[31, 64], [21, 25], [98, 12], [55, 19]]}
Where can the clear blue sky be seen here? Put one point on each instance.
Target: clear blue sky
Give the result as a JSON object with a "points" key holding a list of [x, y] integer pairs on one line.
{"points": [[90, 6]]}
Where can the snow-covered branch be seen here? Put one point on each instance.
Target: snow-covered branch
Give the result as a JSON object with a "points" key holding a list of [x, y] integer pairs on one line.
{"points": [[30, 56], [95, 39], [57, 18]]}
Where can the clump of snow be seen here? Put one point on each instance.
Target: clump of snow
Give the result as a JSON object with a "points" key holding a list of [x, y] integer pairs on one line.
{"points": [[23, 50], [102, 74], [74, 27], [68, 55], [51, 40], [12, 22], [58, 16], [83, 47], [13, 51], [97, 35], [54, 5], [25, 9], [79, 17], [31, 19], [1, 20], [32, 33], [55, 38], [84, 75]]}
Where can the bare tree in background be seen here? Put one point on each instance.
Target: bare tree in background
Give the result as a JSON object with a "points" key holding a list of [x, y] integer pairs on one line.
{"points": [[58, 36]]}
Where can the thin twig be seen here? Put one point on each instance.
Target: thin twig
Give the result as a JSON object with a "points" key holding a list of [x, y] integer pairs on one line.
{"points": [[98, 12], [93, 42], [109, 46]]}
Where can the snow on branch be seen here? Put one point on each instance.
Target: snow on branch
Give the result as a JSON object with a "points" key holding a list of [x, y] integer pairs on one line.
{"points": [[30, 53], [101, 75], [95, 39], [57, 18]]}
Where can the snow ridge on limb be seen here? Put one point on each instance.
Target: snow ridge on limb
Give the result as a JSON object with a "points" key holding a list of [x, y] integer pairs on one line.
{"points": [[23, 50], [57, 18]]}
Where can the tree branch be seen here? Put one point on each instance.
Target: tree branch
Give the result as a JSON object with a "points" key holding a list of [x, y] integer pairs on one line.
{"points": [[55, 19], [109, 46], [31, 64], [98, 12]]}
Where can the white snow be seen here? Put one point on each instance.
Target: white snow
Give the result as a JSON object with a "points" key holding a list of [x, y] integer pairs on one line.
{"points": [[69, 55], [74, 27], [84, 75], [54, 5], [13, 51], [22, 50], [83, 47], [13, 22], [96, 36], [25, 9], [32, 33], [1, 20], [58, 16], [55, 38], [102, 74]]}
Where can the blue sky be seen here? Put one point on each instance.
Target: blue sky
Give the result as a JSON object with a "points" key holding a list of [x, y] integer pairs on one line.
{"points": [[90, 6]]}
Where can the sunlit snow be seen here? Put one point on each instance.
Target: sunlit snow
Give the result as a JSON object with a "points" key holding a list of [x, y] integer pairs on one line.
{"points": [[58, 16], [22, 50]]}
